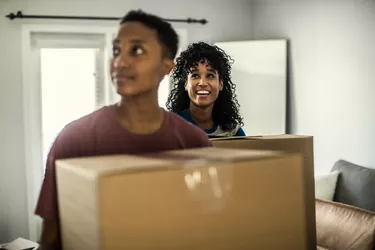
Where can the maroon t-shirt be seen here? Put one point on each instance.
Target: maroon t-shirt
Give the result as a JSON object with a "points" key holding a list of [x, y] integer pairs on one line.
{"points": [[100, 133]]}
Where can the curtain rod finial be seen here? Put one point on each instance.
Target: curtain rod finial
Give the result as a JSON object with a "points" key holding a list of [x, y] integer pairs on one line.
{"points": [[12, 16], [192, 20]]}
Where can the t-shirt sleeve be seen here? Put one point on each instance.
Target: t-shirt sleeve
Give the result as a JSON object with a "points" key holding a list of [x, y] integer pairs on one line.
{"points": [[190, 135], [202, 139], [64, 147], [47, 204], [206, 142]]}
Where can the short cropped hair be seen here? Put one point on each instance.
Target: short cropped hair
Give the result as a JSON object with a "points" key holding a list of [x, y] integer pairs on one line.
{"points": [[166, 34]]}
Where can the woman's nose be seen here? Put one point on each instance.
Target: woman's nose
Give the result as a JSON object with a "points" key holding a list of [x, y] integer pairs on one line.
{"points": [[202, 82], [122, 61]]}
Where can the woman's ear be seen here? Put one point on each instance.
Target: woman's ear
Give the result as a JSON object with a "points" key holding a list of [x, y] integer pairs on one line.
{"points": [[112, 67], [221, 85], [168, 66], [186, 89]]}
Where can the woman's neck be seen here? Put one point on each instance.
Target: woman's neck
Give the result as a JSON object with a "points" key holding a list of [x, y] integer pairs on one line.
{"points": [[140, 114], [202, 116]]}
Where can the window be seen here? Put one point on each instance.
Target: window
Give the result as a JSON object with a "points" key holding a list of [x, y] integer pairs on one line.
{"points": [[68, 89]]}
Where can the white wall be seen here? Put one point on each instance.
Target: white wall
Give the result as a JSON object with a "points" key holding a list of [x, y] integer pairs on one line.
{"points": [[227, 21], [332, 72], [259, 72]]}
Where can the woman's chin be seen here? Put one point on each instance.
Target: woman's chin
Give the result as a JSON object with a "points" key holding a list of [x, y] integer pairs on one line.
{"points": [[132, 91], [126, 92], [204, 104]]}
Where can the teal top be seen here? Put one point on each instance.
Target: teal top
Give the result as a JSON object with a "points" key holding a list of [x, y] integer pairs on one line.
{"points": [[216, 130]]}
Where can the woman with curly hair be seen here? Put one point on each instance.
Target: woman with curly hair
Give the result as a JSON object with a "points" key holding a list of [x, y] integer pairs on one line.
{"points": [[203, 92]]}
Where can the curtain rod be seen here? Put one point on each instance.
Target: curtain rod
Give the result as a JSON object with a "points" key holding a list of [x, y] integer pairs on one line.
{"points": [[20, 15]]}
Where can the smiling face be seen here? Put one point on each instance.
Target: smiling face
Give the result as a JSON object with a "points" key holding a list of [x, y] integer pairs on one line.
{"points": [[203, 85], [138, 63]]}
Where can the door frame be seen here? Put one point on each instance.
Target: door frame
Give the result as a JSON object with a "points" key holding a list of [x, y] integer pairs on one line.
{"points": [[32, 107], [32, 114]]}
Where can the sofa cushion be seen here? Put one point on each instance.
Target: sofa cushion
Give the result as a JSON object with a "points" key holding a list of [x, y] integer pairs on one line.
{"points": [[340, 226], [355, 185], [325, 186]]}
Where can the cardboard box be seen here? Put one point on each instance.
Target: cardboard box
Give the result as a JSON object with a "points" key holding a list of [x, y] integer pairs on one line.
{"points": [[206, 198], [288, 143]]}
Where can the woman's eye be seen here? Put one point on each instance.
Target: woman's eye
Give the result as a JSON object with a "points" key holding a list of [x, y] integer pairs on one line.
{"points": [[115, 52], [136, 51], [194, 76], [211, 76]]}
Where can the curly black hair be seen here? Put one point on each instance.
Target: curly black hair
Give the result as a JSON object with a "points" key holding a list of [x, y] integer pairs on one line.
{"points": [[166, 34], [226, 108]]}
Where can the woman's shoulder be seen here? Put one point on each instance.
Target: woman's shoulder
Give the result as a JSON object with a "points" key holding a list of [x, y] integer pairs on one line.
{"points": [[240, 132], [220, 132], [184, 114], [179, 119]]}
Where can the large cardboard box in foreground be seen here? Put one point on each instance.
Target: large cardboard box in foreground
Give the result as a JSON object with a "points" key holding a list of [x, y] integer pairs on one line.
{"points": [[206, 198], [288, 143]]}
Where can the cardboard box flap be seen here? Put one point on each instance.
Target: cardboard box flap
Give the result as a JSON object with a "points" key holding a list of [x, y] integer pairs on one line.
{"points": [[282, 137], [260, 137], [232, 138], [224, 154], [112, 164]]}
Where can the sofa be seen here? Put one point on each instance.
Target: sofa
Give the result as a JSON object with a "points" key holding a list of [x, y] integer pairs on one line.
{"points": [[341, 226], [345, 208]]}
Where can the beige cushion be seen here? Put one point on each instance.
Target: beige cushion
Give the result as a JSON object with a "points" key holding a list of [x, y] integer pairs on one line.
{"points": [[325, 186]]}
